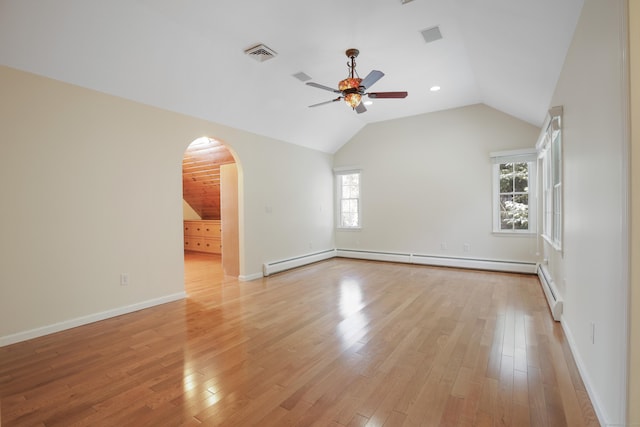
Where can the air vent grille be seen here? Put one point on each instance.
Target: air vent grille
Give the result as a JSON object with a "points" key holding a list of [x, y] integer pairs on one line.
{"points": [[431, 34], [260, 52], [302, 76]]}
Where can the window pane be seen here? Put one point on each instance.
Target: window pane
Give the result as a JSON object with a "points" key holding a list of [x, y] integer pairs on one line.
{"points": [[346, 192], [521, 179], [351, 179], [349, 219], [556, 155], [514, 212], [505, 216], [506, 177]]}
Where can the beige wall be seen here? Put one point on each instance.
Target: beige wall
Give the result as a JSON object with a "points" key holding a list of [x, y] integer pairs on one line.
{"points": [[188, 212], [595, 260], [95, 186], [427, 181], [634, 353]]}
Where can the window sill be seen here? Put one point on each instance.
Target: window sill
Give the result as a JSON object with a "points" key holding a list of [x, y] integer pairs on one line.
{"points": [[348, 228], [514, 233]]}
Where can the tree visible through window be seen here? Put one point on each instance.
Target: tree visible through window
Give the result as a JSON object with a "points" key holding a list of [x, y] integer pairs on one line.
{"points": [[349, 200], [514, 196], [514, 178]]}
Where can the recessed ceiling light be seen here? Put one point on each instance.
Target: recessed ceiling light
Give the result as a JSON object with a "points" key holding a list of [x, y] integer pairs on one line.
{"points": [[434, 88], [368, 102]]}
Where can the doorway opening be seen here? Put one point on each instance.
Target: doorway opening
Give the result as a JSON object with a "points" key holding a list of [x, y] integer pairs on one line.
{"points": [[210, 205]]}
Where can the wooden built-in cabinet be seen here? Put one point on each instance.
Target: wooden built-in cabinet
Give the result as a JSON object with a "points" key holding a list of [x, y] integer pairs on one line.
{"points": [[202, 236]]}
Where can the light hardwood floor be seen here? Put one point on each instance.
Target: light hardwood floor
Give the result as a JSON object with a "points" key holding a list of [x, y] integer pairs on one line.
{"points": [[338, 343]]}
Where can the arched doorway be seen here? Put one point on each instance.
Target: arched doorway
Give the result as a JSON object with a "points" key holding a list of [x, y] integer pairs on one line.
{"points": [[210, 203]]}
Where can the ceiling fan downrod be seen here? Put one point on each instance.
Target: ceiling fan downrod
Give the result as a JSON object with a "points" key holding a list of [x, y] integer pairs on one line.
{"points": [[352, 54]]}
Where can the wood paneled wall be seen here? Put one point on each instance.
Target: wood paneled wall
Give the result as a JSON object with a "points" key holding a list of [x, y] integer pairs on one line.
{"points": [[201, 176]]}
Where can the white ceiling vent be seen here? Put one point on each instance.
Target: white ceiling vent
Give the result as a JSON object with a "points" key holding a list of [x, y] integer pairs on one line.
{"points": [[260, 52], [431, 34], [302, 76]]}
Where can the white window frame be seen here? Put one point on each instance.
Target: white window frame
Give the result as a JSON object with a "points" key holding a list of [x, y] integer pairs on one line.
{"points": [[515, 156], [549, 148], [339, 173]]}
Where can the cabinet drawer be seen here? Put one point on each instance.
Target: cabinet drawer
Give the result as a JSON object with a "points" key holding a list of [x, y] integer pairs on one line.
{"points": [[191, 227], [193, 243], [212, 245], [211, 230]]}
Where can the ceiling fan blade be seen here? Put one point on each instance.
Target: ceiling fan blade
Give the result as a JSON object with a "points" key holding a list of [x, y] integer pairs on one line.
{"points": [[378, 95], [326, 102], [360, 108], [319, 86], [371, 78]]}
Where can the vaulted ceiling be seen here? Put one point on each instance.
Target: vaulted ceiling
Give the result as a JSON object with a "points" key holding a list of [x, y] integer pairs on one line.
{"points": [[188, 56]]}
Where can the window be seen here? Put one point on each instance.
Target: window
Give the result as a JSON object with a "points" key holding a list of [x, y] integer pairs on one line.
{"points": [[550, 157], [348, 199], [514, 177]]}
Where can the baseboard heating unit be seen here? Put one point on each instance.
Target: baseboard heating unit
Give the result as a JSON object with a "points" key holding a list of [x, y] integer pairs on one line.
{"points": [[273, 267], [287, 264], [550, 292], [441, 261]]}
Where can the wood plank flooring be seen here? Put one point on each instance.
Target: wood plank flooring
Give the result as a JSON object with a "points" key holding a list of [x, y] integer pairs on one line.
{"points": [[338, 343]]}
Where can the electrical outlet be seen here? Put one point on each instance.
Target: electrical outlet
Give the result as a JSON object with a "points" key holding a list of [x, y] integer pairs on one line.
{"points": [[466, 247], [124, 279], [443, 246]]}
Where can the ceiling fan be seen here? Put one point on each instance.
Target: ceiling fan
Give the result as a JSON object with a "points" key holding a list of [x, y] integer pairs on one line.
{"points": [[353, 88]]}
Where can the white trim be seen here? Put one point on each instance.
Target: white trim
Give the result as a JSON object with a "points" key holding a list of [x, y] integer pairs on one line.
{"points": [[84, 320], [346, 170], [272, 267], [250, 277], [514, 156], [584, 374]]}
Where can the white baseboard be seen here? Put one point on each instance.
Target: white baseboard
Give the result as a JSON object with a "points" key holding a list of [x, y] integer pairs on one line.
{"points": [[471, 263], [287, 264], [250, 277], [84, 320], [597, 406]]}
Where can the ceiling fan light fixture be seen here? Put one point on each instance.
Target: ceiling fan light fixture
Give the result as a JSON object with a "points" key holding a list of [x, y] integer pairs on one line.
{"points": [[349, 83], [353, 99]]}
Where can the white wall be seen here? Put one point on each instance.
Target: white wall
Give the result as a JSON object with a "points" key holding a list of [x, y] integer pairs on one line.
{"points": [[427, 180], [95, 185], [595, 261], [634, 333]]}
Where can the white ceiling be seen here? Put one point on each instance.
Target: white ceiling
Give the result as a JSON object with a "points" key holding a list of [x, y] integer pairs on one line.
{"points": [[188, 56]]}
